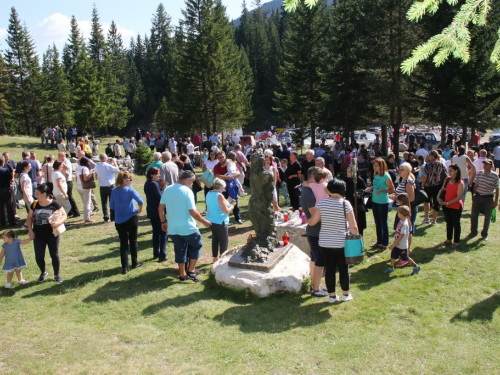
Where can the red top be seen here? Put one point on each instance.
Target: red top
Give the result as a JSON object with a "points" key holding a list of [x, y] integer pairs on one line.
{"points": [[219, 170], [452, 193]]}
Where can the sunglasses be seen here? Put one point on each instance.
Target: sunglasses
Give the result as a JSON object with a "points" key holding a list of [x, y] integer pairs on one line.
{"points": [[128, 179]]}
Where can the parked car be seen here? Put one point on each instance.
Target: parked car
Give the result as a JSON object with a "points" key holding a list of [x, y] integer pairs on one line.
{"points": [[247, 140], [494, 134], [363, 138]]}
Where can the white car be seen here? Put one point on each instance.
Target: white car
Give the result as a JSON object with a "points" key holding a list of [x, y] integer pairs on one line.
{"points": [[364, 138]]}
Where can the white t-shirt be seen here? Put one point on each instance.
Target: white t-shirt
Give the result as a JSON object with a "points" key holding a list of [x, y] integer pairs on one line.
{"points": [[211, 164], [190, 148], [422, 151], [72, 147], [56, 175], [28, 186], [215, 149], [61, 147], [236, 139], [69, 170], [117, 149], [78, 172], [231, 167]]}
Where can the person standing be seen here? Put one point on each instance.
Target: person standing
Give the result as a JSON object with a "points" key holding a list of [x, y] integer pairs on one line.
{"points": [[382, 187], [6, 188], [484, 198], [92, 165], [218, 209], [317, 263], [431, 182], [40, 230], [34, 172], [105, 171], [336, 214], [117, 149], [306, 164], [292, 173], [153, 196], [452, 204], [67, 171], [467, 169], [496, 155], [220, 171], [242, 164], [126, 218], [60, 186], [178, 200], [190, 151], [169, 172]]}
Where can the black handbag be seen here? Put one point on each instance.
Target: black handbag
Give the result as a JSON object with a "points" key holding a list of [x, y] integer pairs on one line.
{"points": [[368, 203], [420, 197]]}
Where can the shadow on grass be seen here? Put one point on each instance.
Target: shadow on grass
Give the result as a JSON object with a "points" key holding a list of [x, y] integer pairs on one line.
{"points": [[76, 282], [271, 315], [426, 255], [483, 310], [372, 276], [131, 287]]}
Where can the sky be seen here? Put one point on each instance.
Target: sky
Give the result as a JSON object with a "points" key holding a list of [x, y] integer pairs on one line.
{"points": [[49, 20]]}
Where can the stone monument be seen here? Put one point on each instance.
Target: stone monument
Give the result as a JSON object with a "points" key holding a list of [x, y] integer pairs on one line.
{"points": [[261, 265]]}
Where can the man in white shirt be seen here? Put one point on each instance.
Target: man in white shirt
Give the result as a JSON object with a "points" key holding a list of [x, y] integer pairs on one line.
{"points": [[67, 171], [106, 175], [117, 149], [496, 154], [169, 172], [126, 142], [478, 163], [422, 151], [320, 163], [236, 139], [190, 150], [172, 145]]}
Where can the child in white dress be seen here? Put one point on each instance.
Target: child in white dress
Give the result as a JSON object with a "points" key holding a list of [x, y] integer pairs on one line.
{"points": [[231, 170]]}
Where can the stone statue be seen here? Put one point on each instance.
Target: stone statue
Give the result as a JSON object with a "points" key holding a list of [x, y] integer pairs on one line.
{"points": [[261, 212]]}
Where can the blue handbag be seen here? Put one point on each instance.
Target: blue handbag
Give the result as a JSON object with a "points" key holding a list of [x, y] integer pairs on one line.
{"points": [[354, 246]]}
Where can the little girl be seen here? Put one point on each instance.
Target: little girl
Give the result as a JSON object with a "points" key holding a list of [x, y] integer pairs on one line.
{"points": [[14, 259], [231, 170], [319, 187]]}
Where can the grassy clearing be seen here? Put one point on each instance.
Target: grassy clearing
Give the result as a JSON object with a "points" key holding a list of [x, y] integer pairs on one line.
{"points": [[444, 320]]}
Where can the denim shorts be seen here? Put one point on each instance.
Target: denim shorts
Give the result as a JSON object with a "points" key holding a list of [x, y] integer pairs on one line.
{"points": [[399, 253], [185, 246], [316, 255]]}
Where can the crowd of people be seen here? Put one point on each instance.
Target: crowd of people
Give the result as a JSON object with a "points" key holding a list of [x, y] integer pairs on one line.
{"points": [[335, 187]]}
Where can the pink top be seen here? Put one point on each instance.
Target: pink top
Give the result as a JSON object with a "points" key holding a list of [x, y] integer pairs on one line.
{"points": [[318, 190]]}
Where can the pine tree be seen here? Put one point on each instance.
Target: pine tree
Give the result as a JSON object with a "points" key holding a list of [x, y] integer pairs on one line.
{"points": [[72, 50], [159, 59], [57, 101], [4, 87], [90, 102], [97, 44], [299, 98], [22, 61], [209, 71]]}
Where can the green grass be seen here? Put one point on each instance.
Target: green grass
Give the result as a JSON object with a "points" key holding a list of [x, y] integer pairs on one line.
{"points": [[444, 320]]}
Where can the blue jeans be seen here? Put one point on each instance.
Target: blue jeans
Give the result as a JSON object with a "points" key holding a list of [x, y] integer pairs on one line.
{"points": [[185, 246], [466, 187], [159, 239], [380, 214]]}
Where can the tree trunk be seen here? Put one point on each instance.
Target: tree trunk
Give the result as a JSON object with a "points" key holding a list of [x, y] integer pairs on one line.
{"points": [[384, 139], [443, 135]]}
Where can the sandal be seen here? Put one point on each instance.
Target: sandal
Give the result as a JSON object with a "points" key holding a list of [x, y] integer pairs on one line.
{"points": [[446, 243], [374, 246], [193, 276], [381, 247]]}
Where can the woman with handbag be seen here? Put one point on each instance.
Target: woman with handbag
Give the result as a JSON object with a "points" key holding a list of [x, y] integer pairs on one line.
{"points": [[84, 175], [41, 230], [382, 187], [126, 218], [337, 217], [450, 198]]}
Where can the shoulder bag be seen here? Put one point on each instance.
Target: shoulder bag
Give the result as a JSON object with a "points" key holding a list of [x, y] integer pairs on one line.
{"points": [[90, 184], [354, 246], [207, 178]]}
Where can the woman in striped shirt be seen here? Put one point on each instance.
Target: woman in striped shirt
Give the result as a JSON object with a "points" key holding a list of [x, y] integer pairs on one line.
{"points": [[333, 212]]}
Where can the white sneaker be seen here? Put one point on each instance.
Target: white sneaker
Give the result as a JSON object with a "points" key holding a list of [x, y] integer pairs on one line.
{"points": [[334, 299], [347, 298], [23, 282], [8, 285], [426, 221]]}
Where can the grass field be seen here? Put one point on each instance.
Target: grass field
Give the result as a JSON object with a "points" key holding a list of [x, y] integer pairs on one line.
{"points": [[442, 321]]}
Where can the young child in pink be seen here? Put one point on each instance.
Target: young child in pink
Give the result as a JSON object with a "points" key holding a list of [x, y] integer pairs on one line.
{"points": [[319, 187]]}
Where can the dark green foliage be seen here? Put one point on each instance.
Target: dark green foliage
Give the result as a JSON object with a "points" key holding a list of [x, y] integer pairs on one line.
{"points": [[143, 157]]}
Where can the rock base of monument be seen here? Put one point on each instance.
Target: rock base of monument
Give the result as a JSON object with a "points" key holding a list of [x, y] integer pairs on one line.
{"points": [[238, 260], [287, 275]]}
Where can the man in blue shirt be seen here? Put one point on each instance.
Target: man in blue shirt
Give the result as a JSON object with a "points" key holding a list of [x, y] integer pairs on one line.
{"points": [[178, 199]]}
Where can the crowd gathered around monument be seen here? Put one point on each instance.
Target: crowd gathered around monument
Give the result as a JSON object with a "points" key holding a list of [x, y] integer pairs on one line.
{"points": [[334, 185]]}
